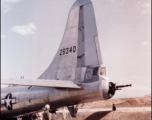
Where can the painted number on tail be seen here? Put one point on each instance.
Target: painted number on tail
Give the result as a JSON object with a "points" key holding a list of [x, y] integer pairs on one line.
{"points": [[67, 50]]}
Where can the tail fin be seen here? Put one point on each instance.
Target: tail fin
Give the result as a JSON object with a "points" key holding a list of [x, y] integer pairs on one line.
{"points": [[79, 47]]}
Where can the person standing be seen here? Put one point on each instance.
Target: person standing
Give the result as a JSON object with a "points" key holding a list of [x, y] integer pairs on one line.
{"points": [[47, 115], [114, 107], [64, 114]]}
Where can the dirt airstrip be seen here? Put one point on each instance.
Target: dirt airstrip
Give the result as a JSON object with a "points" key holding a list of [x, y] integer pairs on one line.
{"points": [[127, 109]]}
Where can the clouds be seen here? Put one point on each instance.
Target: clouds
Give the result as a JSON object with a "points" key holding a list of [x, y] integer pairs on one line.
{"points": [[147, 46], [145, 43], [24, 30], [145, 8], [6, 5]]}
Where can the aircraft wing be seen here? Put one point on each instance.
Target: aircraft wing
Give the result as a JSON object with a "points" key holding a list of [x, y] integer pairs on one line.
{"points": [[40, 83]]}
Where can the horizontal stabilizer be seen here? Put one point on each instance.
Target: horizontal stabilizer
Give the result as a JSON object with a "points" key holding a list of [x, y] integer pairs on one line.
{"points": [[40, 83]]}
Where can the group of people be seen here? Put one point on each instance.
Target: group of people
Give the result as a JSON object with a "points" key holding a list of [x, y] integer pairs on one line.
{"points": [[46, 115]]}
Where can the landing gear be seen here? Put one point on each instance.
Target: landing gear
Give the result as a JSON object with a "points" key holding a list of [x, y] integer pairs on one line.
{"points": [[73, 110]]}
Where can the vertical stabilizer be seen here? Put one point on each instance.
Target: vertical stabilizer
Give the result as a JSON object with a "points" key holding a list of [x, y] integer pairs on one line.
{"points": [[79, 47]]}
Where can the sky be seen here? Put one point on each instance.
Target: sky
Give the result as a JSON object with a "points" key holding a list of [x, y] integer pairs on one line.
{"points": [[31, 31]]}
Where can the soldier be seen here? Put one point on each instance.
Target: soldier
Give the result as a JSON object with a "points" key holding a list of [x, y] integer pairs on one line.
{"points": [[113, 107], [47, 115]]}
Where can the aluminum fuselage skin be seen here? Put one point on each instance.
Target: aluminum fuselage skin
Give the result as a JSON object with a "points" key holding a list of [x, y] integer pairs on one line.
{"points": [[81, 44], [35, 98]]}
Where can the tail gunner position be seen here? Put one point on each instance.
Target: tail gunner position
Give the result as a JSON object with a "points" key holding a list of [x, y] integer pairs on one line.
{"points": [[76, 75]]}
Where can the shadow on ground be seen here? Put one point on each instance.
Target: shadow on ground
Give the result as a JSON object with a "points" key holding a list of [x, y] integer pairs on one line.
{"points": [[97, 115]]}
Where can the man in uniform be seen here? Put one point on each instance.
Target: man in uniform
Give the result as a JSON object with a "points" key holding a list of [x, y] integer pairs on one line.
{"points": [[47, 115]]}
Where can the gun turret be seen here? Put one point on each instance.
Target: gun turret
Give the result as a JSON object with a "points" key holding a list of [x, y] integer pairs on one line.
{"points": [[121, 86], [113, 87]]}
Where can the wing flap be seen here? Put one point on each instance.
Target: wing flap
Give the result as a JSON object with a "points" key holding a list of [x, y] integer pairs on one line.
{"points": [[40, 83]]}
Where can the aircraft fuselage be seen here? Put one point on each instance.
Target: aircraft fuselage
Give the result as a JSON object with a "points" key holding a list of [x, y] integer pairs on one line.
{"points": [[23, 100]]}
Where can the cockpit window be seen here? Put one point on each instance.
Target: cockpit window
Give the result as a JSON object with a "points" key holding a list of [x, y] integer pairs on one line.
{"points": [[95, 71], [102, 71], [99, 71]]}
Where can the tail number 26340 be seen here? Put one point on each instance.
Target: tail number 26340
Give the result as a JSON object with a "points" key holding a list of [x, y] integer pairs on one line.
{"points": [[67, 50]]}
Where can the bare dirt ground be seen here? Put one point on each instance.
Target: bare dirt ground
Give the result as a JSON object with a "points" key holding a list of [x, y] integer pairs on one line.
{"points": [[122, 102], [108, 115], [127, 109]]}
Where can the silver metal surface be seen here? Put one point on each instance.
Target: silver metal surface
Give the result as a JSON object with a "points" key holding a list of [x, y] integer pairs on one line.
{"points": [[40, 83], [78, 59], [34, 99], [81, 33]]}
